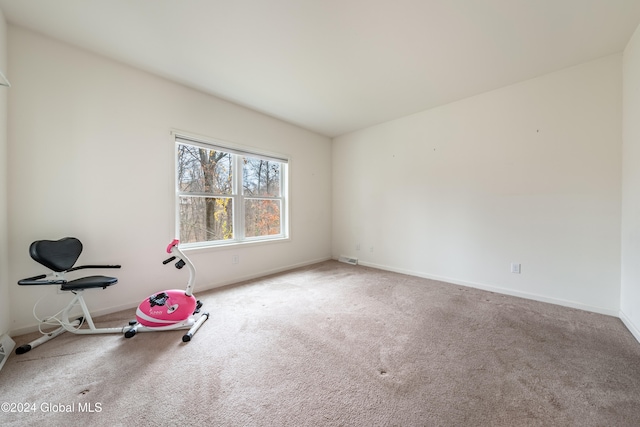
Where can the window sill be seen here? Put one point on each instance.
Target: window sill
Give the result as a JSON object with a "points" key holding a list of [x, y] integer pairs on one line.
{"points": [[203, 247]]}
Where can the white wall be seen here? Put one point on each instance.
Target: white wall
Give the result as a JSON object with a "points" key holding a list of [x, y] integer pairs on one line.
{"points": [[5, 314], [630, 284], [530, 174], [90, 155]]}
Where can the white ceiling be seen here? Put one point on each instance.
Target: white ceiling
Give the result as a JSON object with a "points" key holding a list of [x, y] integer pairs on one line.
{"points": [[334, 66]]}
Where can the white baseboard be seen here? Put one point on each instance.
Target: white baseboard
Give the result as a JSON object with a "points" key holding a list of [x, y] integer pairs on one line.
{"points": [[627, 322], [498, 290], [630, 326], [239, 279]]}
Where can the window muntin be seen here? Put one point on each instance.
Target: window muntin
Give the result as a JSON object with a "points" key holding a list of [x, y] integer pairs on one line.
{"points": [[216, 205]]}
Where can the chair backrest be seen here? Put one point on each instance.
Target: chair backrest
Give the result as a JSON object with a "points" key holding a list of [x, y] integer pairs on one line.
{"points": [[58, 255]]}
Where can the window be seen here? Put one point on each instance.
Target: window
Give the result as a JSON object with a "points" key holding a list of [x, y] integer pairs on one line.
{"points": [[228, 195]]}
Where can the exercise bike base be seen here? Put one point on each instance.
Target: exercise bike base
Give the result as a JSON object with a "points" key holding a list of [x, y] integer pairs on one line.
{"points": [[192, 324], [23, 349]]}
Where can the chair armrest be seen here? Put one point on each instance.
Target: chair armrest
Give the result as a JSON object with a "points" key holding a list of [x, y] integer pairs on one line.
{"points": [[82, 267], [37, 280]]}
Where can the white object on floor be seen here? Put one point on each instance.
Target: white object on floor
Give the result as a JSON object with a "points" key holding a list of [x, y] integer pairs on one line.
{"points": [[6, 346]]}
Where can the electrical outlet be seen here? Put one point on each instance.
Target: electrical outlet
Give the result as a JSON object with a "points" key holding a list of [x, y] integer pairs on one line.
{"points": [[357, 246], [515, 268], [235, 259]]}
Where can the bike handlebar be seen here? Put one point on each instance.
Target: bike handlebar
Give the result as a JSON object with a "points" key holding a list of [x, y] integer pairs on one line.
{"points": [[172, 244]]}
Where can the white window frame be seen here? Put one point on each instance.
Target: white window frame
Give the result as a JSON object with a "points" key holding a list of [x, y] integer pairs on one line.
{"points": [[238, 152]]}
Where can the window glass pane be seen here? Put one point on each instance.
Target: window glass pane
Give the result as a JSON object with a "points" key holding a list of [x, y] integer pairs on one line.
{"points": [[204, 171], [261, 217], [261, 177], [205, 219]]}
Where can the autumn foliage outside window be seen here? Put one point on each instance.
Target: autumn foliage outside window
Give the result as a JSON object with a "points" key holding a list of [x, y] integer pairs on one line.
{"points": [[226, 196]]}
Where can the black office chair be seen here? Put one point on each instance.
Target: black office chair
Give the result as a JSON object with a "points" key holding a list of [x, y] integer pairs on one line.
{"points": [[60, 257]]}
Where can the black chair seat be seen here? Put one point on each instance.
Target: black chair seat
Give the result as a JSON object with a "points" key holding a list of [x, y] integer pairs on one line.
{"points": [[60, 256], [89, 283]]}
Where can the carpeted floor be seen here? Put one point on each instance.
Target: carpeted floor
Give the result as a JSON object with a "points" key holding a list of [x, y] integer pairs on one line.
{"points": [[338, 345]]}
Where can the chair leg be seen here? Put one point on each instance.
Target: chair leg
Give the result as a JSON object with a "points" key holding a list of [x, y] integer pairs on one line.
{"points": [[87, 319], [72, 326], [44, 338]]}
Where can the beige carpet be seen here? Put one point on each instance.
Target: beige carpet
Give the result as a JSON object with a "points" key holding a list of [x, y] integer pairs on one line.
{"points": [[337, 345]]}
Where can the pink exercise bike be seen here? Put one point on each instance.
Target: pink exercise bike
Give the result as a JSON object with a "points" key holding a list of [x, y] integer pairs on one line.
{"points": [[171, 309], [163, 311]]}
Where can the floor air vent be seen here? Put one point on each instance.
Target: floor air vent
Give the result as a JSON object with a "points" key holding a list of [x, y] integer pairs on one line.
{"points": [[6, 345], [348, 260]]}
